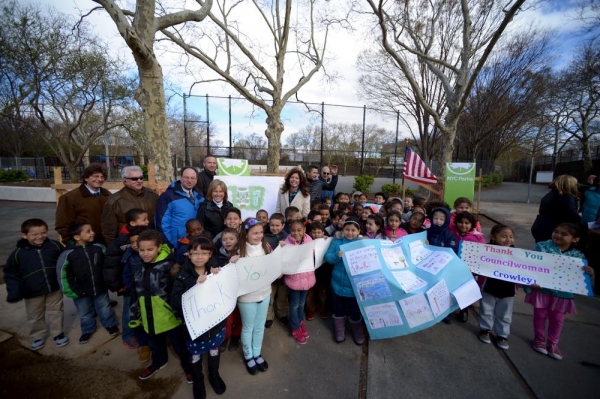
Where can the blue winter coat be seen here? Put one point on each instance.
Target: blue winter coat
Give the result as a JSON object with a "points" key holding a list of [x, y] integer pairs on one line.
{"points": [[440, 236], [340, 282], [174, 208], [590, 205]]}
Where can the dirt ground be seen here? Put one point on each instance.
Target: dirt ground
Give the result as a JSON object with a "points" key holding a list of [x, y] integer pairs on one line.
{"points": [[26, 374]]}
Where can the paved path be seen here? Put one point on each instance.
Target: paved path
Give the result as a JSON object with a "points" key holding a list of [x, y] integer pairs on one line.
{"points": [[444, 361]]}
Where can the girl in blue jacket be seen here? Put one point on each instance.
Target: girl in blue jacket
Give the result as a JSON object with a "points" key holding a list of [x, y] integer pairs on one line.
{"points": [[343, 296]]}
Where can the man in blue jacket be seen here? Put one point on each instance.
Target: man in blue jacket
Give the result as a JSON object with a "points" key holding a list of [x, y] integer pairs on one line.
{"points": [[178, 204]]}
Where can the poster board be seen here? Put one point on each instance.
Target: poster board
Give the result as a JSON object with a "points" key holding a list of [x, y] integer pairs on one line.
{"points": [[251, 193]]}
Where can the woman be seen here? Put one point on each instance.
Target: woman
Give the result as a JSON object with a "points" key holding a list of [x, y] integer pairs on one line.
{"points": [[294, 192], [212, 212], [558, 206]]}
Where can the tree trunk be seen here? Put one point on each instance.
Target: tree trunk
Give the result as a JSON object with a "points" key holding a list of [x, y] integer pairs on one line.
{"points": [[150, 95], [73, 176], [588, 165], [274, 129]]}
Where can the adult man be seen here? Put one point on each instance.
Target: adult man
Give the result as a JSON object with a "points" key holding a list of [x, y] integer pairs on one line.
{"points": [[83, 204], [316, 186], [208, 173], [133, 195], [178, 204], [325, 177]]}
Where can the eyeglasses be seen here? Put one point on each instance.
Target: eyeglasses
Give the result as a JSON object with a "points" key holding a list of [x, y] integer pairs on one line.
{"points": [[198, 254], [326, 173], [135, 178], [252, 223]]}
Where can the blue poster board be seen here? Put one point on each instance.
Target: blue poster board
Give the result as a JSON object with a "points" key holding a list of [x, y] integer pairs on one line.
{"points": [[407, 286]]}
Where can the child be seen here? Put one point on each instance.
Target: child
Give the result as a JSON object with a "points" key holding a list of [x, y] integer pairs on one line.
{"points": [[426, 222], [317, 300], [392, 230], [30, 274], [278, 302], [356, 197], [313, 216], [343, 297], [291, 213], [80, 269], [358, 210], [395, 204], [408, 209], [362, 199], [233, 328], [195, 271], [461, 204], [152, 283], [193, 228], [374, 227], [253, 306], [233, 220], [465, 228], [334, 227], [379, 198], [298, 284], [263, 216], [327, 201], [549, 304], [497, 296], [415, 223], [324, 211]]}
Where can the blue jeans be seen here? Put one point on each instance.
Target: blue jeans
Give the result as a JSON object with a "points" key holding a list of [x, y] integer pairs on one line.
{"points": [[85, 310], [254, 316], [297, 300], [345, 305]]}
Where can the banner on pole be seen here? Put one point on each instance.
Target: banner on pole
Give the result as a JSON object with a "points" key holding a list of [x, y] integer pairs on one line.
{"points": [[460, 181]]}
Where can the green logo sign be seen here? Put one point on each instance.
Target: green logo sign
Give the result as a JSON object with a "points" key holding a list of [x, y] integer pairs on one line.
{"points": [[460, 181], [250, 198], [233, 167]]}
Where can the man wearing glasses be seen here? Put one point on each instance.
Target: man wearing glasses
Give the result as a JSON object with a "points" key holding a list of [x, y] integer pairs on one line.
{"points": [[326, 177], [133, 195], [316, 186], [178, 204]]}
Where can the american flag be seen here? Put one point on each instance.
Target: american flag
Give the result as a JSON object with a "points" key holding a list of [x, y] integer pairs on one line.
{"points": [[416, 170]]}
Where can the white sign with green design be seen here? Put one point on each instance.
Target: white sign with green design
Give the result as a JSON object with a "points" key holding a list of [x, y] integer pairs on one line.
{"points": [[233, 167], [251, 193], [460, 181]]}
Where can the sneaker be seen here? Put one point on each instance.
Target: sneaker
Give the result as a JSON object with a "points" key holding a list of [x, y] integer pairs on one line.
{"points": [[540, 347], [85, 338], [234, 344], [189, 378], [284, 321], [113, 331], [554, 352], [298, 336], [310, 316], [37, 344], [261, 364], [150, 371], [304, 330], [484, 336], [269, 324], [502, 343], [132, 343], [144, 353], [251, 366], [61, 340]]}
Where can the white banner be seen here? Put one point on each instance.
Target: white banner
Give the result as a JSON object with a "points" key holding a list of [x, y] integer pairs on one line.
{"points": [[258, 272], [251, 193], [297, 258]]}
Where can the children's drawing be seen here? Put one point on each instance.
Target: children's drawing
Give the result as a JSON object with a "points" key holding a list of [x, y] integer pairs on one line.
{"points": [[372, 286], [409, 281], [418, 252], [383, 315], [439, 298], [416, 310], [436, 262], [394, 257], [362, 260]]}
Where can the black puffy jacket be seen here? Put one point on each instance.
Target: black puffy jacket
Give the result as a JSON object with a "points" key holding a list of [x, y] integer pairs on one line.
{"points": [[113, 264], [213, 217], [79, 270]]}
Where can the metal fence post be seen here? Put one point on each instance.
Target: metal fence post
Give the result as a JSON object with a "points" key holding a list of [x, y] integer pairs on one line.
{"points": [[322, 122], [185, 132], [230, 143], [207, 128], [362, 148], [396, 147]]}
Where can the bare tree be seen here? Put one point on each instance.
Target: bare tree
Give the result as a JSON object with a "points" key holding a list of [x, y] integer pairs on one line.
{"points": [[139, 28], [261, 69], [452, 39]]}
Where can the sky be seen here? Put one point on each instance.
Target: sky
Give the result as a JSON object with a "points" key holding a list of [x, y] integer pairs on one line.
{"points": [[344, 48]]}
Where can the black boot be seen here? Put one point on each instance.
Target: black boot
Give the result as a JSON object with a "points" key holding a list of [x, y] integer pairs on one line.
{"points": [[213, 374], [198, 377]]}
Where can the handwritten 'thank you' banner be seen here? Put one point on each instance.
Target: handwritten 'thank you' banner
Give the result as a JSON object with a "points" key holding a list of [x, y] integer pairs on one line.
{"points": [[406, 286], [520, 266], [258, 272], [206, 305]]}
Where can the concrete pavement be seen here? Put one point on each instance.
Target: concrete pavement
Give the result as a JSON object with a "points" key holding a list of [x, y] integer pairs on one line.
{"points": [[444, 361]]}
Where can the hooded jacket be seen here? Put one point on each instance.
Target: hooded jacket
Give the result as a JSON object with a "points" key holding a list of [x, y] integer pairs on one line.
{"points": [[301, 281], [185, 280], [340, 282], [150, 301], [440, 236], [79, 268], [174, 209], [30, 271]]}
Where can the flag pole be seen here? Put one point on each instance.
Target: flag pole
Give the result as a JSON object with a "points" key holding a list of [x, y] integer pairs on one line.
{"points": [[403, 188]]}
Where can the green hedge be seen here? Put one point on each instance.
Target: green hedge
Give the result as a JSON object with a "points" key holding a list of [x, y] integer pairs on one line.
{"points": [[13, 175], [363, 183], [395, 188], [493, 180]]}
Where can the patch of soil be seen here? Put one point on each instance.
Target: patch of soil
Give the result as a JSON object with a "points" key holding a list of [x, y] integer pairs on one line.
{"points": [[24, 373], [30, 183]]}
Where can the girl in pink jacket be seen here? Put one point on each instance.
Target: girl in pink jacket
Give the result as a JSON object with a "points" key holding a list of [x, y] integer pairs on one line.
{"points": [[298, 284]]}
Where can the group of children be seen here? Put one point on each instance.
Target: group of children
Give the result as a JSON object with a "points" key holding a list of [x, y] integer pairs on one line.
{"points": [[151, 277]]}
